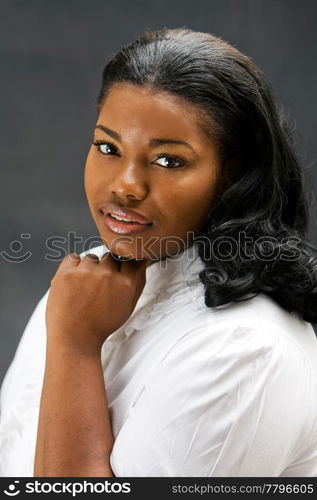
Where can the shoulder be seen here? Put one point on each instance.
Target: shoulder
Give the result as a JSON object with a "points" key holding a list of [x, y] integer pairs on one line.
{"points": [[29, 358], [253, 336], [263, 319], [254, 364]]}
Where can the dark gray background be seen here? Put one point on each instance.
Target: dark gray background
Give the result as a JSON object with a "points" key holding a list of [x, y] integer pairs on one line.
{"points": [[52, 55]]}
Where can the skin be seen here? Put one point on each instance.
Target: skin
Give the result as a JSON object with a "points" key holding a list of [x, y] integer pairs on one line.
{"points": [[74, 436], [131, 175]]}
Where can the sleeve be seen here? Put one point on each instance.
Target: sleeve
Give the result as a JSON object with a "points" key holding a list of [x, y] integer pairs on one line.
{"points": [[226, 403], [20, 396]]}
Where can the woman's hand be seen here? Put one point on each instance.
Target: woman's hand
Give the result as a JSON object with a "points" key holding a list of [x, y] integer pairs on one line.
{"points": [[90, 299]]}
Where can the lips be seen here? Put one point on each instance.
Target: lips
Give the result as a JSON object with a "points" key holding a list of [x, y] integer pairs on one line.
{"points": [[139, 222], [111, 209], [121, 227]]}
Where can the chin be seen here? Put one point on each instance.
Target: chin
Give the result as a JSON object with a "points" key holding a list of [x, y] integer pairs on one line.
{"points": [[124, 251]]}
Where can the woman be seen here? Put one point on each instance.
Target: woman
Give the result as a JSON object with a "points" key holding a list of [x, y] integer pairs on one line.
{"points": [[183, 346]]}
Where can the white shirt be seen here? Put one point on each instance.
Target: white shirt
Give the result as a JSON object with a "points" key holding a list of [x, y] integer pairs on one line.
{"points": [[192, 390]]}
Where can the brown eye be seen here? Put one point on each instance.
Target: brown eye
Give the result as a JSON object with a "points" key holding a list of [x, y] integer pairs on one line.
{"points": [[106, 148], [170, 161]]}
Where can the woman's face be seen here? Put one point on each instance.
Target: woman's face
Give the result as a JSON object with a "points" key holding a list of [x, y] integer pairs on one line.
{"points": [[150, 155]]}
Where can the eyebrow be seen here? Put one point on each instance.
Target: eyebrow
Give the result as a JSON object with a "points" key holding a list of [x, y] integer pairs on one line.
{"points": [[152, 142]]}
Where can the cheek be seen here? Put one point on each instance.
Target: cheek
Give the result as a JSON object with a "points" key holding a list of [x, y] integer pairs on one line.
{"points": [[87, 171], [91, 180], [191, 201]]}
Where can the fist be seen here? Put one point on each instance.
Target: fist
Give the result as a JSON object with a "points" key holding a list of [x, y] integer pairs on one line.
{"points": [[90, 298]]}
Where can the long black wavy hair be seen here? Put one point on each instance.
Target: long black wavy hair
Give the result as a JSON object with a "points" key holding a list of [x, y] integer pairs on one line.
{"points": [[254, 237]]}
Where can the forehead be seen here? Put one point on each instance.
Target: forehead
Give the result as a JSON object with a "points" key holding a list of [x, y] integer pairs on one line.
{"points": [[131, 109]]}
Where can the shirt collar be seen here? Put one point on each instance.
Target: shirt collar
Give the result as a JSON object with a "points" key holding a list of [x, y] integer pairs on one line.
{"points": [[168, 273]]}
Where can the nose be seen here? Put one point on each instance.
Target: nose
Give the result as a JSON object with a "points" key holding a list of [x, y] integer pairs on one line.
{"points": [[130, 182]]}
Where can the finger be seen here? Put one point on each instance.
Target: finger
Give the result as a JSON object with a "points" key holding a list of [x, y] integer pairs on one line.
{"points": [[109, 261], [71, 260], [89, 259]]}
